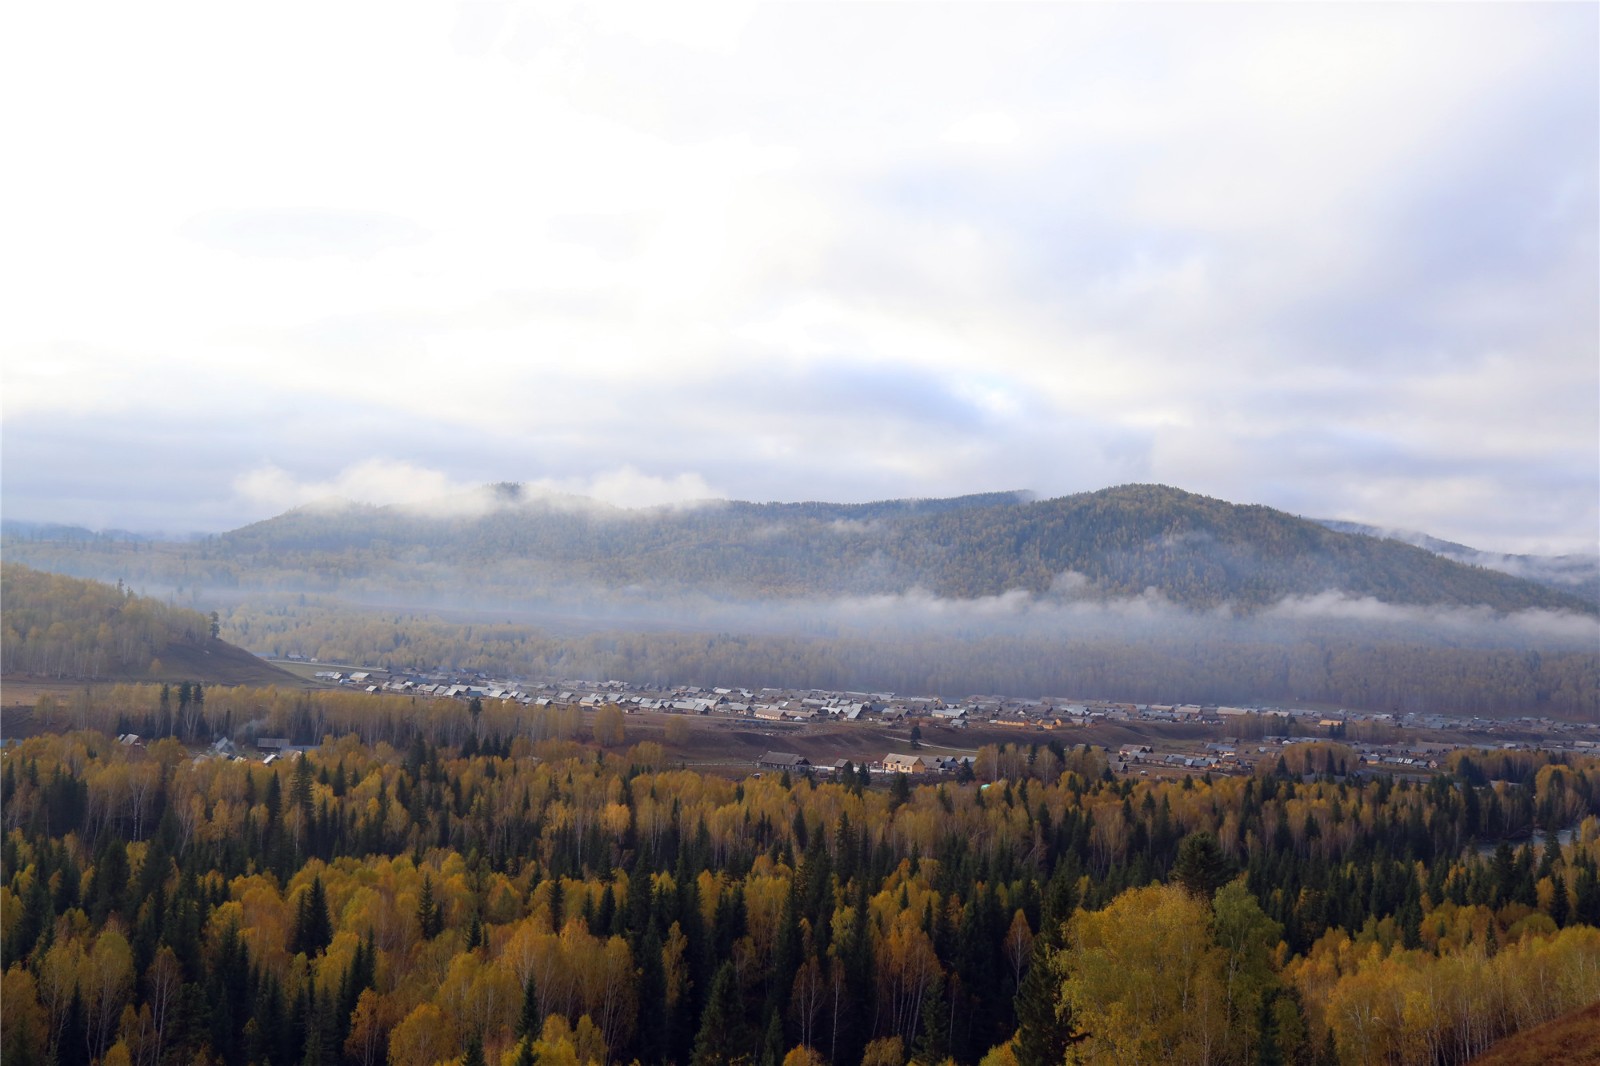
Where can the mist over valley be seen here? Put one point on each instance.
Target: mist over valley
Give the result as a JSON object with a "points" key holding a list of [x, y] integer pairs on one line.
{"points": [[1137, 592]]}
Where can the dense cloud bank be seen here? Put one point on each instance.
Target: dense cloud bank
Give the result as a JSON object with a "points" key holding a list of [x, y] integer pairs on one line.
{"points": [[1338, 258]]}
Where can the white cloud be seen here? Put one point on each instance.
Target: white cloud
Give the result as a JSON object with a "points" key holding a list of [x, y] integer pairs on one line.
{"points": [[990, 129], [373, 481], [1211, 228], [628, 487], [1535, 626], [386, 482]]}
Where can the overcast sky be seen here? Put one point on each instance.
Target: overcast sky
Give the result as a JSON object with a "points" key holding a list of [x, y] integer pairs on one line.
{"points": [[1338, 259]]}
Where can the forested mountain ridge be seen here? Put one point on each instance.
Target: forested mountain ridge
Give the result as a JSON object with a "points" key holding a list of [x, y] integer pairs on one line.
{"points": [[1578, 574], [1197, 551], [1115, 543], [1203, 553]]}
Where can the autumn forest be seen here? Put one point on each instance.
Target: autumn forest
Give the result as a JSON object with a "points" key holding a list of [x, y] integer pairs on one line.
{"points": [[439, 882]]}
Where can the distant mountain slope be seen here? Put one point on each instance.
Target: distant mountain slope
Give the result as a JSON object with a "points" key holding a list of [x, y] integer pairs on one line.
{"points": [[1205, 552], [502, 548], [63, 627], [1197, 551], [17, 529], [1577, 574]]}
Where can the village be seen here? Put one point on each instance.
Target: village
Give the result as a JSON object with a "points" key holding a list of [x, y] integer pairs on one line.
{"points": [[942, 737]]}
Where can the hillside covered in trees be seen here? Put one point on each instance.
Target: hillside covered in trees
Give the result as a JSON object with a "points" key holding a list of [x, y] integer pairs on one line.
{"points": [[63, 627], [60, 627], [435, 880], [502, 548]]}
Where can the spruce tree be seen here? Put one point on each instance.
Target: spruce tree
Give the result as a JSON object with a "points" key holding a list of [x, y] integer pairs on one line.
{"points": [[772, 1045], [38, 915], [1560, 906], [1202, 868], [429, 918], [529, 1023], [900, 792], [313, 929], [1044, 1024], [933, 1036], [653, 1036], [1586, 896], [73, 1048], [300, 784], [474, 1053], [721, 1039]]}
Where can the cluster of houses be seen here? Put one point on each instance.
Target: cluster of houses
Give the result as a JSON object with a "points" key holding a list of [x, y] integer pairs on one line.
{"points": [[779, 705], [1230, 755], [267, 750], [764, 704], [893, 763], [1033, 714]]}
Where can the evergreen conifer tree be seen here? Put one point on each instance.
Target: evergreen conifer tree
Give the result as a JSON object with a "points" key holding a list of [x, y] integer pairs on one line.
{"points": [[528, 1022], [474, 1052], [313, 929], [1201, 868], [721, 1039], [1044, 1026], [429, 917], [933, 1037]]}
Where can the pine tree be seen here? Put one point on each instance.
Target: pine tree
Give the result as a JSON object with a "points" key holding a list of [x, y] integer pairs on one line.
{"points": [[1560, 906], [313, 929], [274, 797], [361, 976], [38, 915], [317, 1052], [108, 883], [474, 1053], [721, 1039], [933, 1039], [1505, 874], [900, 792], [429, 918], [528, 1022], [1044, 1024], [73, 1049], [300, 784], [1586, 896], [772, 1045], [655, 1015], [1201, 868]]}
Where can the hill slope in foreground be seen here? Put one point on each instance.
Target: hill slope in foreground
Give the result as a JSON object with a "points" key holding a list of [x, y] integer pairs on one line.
{"points": [[1570, 1040], [57, 629]]}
